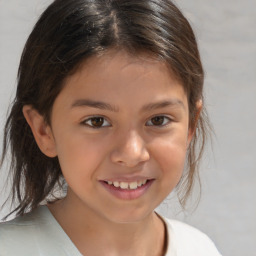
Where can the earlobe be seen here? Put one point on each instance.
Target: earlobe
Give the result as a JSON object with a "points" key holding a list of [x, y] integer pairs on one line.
{"points": [[42, 132], [193, 125]]}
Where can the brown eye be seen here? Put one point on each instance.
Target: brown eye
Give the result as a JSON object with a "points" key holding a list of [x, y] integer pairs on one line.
{"points": [[158, 121], [96, 122]]}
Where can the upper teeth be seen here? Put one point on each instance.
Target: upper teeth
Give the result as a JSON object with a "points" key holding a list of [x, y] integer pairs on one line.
{"points": [[127, 185]]}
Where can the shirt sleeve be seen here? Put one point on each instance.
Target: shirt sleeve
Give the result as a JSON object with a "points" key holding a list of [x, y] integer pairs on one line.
{"points": [[189, 241]]}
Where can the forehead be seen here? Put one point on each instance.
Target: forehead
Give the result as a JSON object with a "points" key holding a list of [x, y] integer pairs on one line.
{"points": [[119, 76], [115, 64]]}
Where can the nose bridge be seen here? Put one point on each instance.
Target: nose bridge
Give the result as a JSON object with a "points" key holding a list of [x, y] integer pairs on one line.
{"points": [[134, 143], [130, 148]]}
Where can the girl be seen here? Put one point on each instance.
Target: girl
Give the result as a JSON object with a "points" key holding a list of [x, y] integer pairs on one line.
{"points": [[109, 102]]}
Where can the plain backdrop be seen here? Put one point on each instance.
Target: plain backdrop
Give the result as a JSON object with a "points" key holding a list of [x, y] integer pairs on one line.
{"points": [[226, 32]]}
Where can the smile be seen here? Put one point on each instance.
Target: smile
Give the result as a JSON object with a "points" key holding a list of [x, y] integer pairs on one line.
{"points": [[127, 190], [127, 185]]}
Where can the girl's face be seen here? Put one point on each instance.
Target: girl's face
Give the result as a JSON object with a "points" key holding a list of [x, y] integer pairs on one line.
{"points": [[120, 129]]}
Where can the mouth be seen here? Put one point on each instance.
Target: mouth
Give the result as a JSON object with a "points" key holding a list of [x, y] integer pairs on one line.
{"points": [[127, 190], [127, 185]]}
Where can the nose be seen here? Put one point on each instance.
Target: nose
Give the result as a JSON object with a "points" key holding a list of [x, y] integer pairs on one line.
{"points": [[129, 150]]}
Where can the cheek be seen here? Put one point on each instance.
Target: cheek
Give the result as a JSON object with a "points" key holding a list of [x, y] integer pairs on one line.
{"points": [[79, 157], [171, 155]]}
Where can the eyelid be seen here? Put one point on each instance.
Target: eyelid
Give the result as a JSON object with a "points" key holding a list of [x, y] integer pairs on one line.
{"points": [[163, 125], [84, 122]]}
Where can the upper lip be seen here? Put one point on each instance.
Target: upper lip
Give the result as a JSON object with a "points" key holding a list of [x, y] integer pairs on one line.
{"points": [[127, 179]]}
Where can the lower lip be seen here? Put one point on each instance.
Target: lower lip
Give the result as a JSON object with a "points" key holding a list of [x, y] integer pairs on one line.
{"points": [[127, 194]]}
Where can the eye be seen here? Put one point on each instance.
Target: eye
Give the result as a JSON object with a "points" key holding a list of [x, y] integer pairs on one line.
{"points": [[96, 122], [158, 121]]}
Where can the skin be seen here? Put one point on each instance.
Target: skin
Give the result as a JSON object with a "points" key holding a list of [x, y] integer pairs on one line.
{"points": [[128, 144]]}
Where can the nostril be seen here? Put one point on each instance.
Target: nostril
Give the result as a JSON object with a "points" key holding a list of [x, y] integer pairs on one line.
{"points": [[130, 158]]}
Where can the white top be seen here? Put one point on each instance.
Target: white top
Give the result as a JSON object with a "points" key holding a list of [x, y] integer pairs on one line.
{"points": [[39, 234]]}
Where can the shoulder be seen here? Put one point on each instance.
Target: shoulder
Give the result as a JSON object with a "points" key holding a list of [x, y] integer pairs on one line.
{"points": [[35, 233], [16, 234], [189, 241], [28, 222], [23, 235]]}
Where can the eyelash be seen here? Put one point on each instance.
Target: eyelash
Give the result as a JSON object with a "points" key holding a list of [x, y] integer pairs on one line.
{"points": [[85, 122], [166, 121]]}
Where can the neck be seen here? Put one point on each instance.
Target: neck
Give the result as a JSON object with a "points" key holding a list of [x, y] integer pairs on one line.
{"points": [[94, 235]]}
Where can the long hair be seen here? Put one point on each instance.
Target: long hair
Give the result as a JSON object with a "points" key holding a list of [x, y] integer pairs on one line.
{"points": [[68, 33]]}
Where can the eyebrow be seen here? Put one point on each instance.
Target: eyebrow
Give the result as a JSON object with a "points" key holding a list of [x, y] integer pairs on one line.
{"points": [[106, 106], [94, 104], [163, 104]]}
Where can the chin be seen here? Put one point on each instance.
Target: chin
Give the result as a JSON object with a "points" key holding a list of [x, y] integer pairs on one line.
{"points": [[131, 216]]}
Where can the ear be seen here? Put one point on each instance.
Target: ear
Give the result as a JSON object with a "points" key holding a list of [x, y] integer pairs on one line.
{"points": [[193, 125], [42, 132]]}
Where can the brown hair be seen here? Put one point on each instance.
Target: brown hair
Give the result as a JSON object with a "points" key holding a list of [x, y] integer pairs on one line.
{"points": [[68, 33]]}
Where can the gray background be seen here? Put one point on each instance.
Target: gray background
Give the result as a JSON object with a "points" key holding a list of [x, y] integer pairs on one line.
{"points": [[227, 39]]}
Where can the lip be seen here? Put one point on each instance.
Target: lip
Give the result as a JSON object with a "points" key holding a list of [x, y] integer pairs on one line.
{"points": [[127, 194], [127, 179]]}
